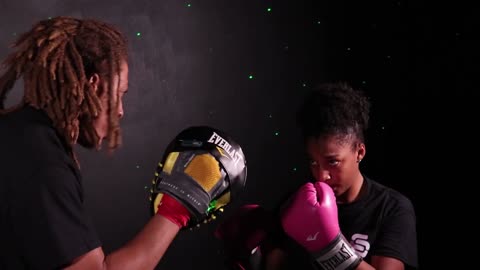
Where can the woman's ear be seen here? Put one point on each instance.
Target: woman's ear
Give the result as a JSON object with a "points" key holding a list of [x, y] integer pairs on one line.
{"points": [[361, 151]]}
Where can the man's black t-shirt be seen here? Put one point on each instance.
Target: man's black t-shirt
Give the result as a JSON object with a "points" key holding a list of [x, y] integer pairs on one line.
{"points": [[43, 221]]}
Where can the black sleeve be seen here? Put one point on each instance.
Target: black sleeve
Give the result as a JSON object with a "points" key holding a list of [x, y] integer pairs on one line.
{"points": [[50, 221], [398, 235]]}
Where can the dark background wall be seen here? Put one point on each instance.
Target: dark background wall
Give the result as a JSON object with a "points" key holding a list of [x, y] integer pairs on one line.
{"points": [[243, 66]]}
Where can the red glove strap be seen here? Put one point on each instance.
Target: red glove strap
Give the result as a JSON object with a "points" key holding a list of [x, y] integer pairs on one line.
{"points": [[173, 211]]}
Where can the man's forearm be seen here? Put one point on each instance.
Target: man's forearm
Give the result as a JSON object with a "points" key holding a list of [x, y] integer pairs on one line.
{"points": [[146, 249]]}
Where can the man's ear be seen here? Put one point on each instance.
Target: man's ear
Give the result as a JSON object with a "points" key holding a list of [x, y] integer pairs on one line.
{"points": [[94, 81]]}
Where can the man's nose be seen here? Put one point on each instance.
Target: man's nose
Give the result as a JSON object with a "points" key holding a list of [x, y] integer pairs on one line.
{"points": [[120, 110]]}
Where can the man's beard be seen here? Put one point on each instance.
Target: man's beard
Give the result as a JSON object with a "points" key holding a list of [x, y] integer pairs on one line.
{"points": [[87, 136]]}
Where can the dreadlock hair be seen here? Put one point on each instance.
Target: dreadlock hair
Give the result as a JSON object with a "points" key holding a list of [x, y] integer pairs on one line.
{"points": [[56, 58], [334, 109]]}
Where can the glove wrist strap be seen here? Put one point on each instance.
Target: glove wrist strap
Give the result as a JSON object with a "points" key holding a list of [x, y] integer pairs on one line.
{"points": [[173, 210], [338, 255]]}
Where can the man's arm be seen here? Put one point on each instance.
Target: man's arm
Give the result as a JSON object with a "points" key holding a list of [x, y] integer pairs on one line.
{"points": [[188, 179], [142, 252]]}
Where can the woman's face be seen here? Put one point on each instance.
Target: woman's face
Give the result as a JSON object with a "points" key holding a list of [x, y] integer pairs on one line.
{"points": [[335, 161]]}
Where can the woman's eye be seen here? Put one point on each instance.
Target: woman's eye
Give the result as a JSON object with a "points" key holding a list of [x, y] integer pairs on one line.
{"points": [[333, 162]]}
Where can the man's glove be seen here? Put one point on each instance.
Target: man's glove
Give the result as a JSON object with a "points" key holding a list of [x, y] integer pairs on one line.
{"points": [[203, 169]]}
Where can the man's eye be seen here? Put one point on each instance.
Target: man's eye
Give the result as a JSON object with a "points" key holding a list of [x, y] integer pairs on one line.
{"points": [[313, 163]]}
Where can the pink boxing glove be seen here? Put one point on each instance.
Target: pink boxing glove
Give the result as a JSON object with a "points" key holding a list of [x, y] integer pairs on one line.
{"points": [[310, 218]]}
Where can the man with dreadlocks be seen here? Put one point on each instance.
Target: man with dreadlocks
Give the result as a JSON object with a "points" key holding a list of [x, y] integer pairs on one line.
{"points": [[75, 74]]}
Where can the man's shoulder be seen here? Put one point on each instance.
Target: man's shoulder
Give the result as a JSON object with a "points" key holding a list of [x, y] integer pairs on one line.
{"points": [[24, 124], [30, 140]]}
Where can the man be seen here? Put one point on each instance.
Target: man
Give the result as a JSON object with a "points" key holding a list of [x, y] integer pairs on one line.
{"points": [[75, 75]]}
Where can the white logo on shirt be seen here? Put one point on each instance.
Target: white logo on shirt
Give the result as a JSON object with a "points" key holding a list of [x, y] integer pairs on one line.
{"points": [[360, 244]]}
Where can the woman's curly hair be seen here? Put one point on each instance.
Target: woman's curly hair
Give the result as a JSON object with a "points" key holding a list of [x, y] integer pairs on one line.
{"points": [[334, 109]]}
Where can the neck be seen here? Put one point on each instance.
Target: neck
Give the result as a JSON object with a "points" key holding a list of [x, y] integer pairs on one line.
{"points": [[353, 193]]}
